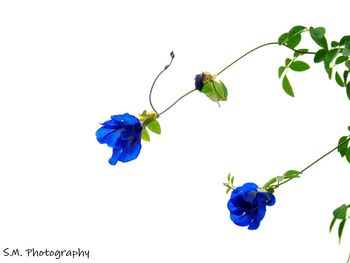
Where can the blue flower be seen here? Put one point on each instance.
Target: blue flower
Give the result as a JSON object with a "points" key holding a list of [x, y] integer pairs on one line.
{"points": [[123, 134], [247, 205]]}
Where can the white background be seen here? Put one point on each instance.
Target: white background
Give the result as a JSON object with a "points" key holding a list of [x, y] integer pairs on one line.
{"points": [[66, 66]]}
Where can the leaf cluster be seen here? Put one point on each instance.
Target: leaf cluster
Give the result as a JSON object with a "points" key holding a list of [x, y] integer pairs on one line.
{"points": [[275, 182], [214, 90], [149, 123], [342, 214], [230, 183]]}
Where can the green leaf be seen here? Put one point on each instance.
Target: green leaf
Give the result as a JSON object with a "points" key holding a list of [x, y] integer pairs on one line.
{"points": [[299, 65], [280, 71], [334, 44], [232, 180], [340, 212], [318, 32], [322, 42], [215, 91], [291, 174], [346, 49], [287, 62], [300, 52], [332, 224], [287, 87], [343, 147], [341, 59], [320, 55], [228, 190], [229, 177], [154, 126], [145, 135], [283, 39], [339, 80], [341, 228], [345, 75], [294, 41], [347, 155], [296, 30], [329, 70], [343, 40], [331, 54], [347, 64], [348, 90]]}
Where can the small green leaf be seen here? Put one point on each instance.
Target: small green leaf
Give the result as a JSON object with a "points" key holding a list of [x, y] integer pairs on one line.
{"points": [[295, 31], [340, 212], [287, 87], [345, 75], [318, 32], [343, 40], [341, 59], [232, 180], [343, 147], [144, 113], [332, 224], [346, 49], [154, 126], [347, 64], [291, 174], [339, 80], [348, 90], [287, 62], [145, 135], [228, 190], [299, 65], [340, 229], [322, 42], [280, 71], [329, 70], [331, 54], [229, 177], [334, 44], [300, 52], [320, 55], [347, 155], [216, 91], [294, 41], [283, 39]]}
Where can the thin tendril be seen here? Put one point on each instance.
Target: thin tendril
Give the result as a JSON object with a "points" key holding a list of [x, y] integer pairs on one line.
{"points": [[155, 80], [319, 159], [173, 104], [256, 48]]}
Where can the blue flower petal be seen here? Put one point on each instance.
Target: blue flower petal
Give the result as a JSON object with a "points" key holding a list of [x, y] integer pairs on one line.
{"points": [[112, 139], [101, 134], [130, 153], [115, 156], [110, 124], [272, 200], [126, 119], [243, 220]]}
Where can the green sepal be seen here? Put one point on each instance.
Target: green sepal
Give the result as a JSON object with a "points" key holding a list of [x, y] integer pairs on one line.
{"points": [[214, 90], [154, 126], [145, 135]]}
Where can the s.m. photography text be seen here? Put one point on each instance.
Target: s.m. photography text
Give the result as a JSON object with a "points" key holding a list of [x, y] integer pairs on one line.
{"points": [[57, 254]]}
